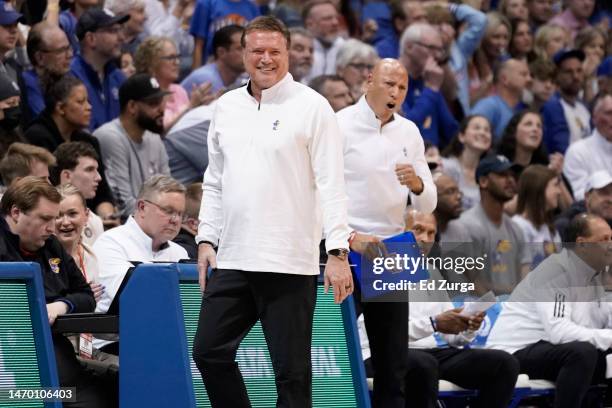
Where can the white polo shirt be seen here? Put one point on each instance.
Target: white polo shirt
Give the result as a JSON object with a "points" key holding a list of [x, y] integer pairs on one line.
{"points": [[585, 157], [377, 200]]}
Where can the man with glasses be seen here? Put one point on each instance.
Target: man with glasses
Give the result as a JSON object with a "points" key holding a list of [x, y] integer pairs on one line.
{"points": [[132, 150], [145, 237], [421, 51], [50, 53], [99, 32]]}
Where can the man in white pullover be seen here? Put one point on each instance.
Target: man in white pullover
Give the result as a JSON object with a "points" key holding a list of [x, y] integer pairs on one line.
{"points": [[557, 322], [384, 166], [275, 161]]}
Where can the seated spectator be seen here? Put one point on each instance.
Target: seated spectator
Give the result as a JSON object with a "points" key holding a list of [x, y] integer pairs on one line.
{"points": [[300, 53], [22, 160], [462, 155], [540, 12], [566, 117], [334, 89], [514, 9], [157, 56], [539, 192], [127, 64], [421, 49], [604, 76], [403, 14], [521, 40], [354, 62], [68, 19], [99, 36], [10, 113], [77, 164], [131, 146], [172, 20], [493, 232], [433, 157], [592, 41], [64, 119], [187, 146], [550, 39], [70, 228], [8, 41], [50, 54], [133, 29], [511, 78], [543, 87], [556, 322], [489, 55], [30, 208], [190, 222], [321, 20], [597, 201], [227, 68], [575, 16], [145, 237], [449, 210], [460, 49], [594, 153]]}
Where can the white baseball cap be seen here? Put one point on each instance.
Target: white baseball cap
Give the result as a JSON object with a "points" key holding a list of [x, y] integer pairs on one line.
{"points": [[597, 180]]}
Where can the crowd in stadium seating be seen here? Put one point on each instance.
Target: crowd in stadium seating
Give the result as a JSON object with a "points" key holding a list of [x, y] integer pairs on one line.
{"points": [[111, 101]]}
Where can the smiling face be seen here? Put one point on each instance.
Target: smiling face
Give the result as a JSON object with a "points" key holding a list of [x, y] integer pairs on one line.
{"points": [[72, 219], [477, 135], [266, 58], [386, 88], [529, 132]]}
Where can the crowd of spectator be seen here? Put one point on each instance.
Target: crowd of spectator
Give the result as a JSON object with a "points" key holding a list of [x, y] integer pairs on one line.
{"points": [[111, 102]]}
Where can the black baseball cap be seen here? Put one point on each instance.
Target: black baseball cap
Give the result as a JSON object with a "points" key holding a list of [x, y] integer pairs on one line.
{"points": [[564, 54], [8, 15], [140, 87], [96, 18], [493, 163]]}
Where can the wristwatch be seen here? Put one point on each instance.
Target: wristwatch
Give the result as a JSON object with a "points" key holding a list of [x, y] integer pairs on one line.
{"points": [[339, 253]]}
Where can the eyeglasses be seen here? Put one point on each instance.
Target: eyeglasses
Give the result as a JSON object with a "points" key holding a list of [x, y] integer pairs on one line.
{"points": [[432, 48], [63, 50], [362, 67], [175, 57], [171, 214]]}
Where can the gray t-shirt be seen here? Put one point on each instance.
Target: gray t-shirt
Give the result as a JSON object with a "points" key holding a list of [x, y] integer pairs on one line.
{"points": [[129, 164], [503, 245], [471, 192]]}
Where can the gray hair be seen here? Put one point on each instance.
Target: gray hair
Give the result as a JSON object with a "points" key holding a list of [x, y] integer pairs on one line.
{"points": [[159, 184], [353, 49], [300, 31], [414, 33], [123, 6]]}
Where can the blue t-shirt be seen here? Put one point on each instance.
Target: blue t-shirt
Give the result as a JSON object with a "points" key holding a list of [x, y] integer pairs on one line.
{"points": [[103, 97], [35, 97], [211, 15], [206, 73], [378, 11], [497, 111], [68, 23]]}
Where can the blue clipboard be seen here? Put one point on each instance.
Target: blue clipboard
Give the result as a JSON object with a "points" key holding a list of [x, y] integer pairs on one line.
{"points": [[402, 245]]}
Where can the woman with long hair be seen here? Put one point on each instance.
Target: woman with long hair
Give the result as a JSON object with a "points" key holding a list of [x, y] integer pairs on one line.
{"points": [[539, 192], [462, 155]]}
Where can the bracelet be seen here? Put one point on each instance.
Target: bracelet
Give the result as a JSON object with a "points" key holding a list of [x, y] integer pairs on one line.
{"points": [[432, 320], [207, 242]]}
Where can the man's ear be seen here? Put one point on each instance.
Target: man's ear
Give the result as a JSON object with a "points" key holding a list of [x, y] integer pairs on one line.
{"points": [[65, 176], [14, 213]]}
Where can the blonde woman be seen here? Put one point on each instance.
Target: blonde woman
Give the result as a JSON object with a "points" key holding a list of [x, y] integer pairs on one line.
{"points": [[549, 39]]}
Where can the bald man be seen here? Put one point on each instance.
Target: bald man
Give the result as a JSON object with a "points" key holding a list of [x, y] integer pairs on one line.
{"points": [[385, 166], [511, 78]]}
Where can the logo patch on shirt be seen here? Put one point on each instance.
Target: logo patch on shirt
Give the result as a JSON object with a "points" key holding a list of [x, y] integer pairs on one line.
{"points": [[275, 124], [54, 264], [88, 233]]}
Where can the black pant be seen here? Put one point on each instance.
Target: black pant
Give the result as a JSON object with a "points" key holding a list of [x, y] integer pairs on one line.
{"points": [[232, 303], [386, 324], [492, 372], [91, 391], [573, 366]]}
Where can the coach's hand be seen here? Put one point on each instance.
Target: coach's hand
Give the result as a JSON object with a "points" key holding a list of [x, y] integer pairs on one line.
{"points": [[206, 257], [338, 276], [452, 322]]}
